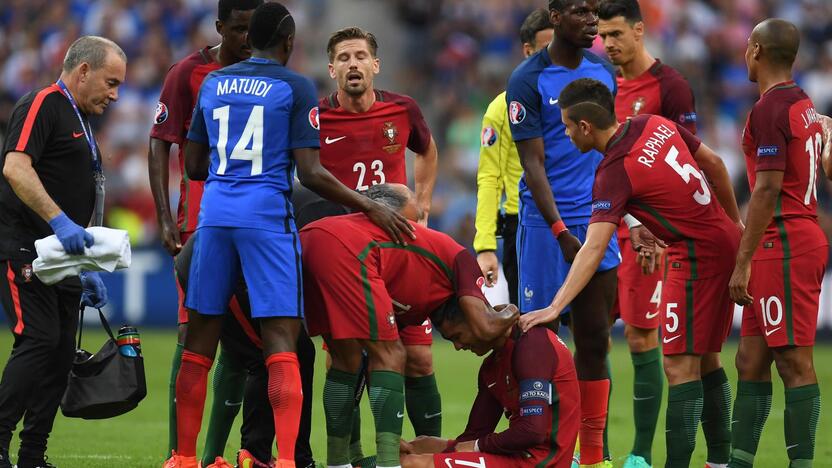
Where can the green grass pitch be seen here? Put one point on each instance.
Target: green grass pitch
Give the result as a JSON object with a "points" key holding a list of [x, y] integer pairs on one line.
{"points": [[139, 438]]}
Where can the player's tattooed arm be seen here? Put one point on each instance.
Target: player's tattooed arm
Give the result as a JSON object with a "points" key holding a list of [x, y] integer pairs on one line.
{"points": [[196, 160], [424, 175], [533, 160], [760, 211], [826, 154], [598, 236], [717, 174]]}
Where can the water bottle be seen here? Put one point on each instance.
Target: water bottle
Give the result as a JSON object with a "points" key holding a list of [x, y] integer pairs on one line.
{"points": [[128, 341]]}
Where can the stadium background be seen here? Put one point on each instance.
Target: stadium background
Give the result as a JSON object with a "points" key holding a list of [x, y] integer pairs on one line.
{"points": [[453, 56]]}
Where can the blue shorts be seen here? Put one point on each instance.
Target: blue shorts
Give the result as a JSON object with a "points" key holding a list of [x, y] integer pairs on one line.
{"points": [[269, 261], [541, 267]]}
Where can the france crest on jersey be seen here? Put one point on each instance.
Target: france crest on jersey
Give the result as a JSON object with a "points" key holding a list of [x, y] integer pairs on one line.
{"points": [[533, 112], [252, 114]]}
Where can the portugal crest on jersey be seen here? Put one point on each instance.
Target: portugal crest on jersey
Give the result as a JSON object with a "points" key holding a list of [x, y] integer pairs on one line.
{"points": [[390, 132], [516, 112]]}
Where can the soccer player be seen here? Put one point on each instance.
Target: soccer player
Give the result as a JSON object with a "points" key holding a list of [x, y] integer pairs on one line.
{"points": [[651, 169], [258, 121], [555, 202], [648, 86], [360, 289], [365, 132], [528, 376], [782, 255], [499, 172], [173, 116]]}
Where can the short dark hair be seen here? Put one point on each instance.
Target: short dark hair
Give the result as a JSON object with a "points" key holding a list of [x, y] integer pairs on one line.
{"points": [[350, 33], [559, 5], [590, 100], [537, 21], [388, 196], [448, 312], [225, 6], [629, 9], [271, 23]]}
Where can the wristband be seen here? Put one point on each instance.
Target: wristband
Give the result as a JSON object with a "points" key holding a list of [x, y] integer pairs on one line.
{"points": [[558, 228], [477, 445], [631, 221], [451, 446]]}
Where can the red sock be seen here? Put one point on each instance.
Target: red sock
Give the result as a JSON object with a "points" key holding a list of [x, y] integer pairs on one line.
{"points": [[191, 386], [286, 398], [594, 394]]}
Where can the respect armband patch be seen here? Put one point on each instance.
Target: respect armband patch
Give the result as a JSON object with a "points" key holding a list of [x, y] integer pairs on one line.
{"points": [[533, 389], [531, 411], [771, 150], [601, 205]]}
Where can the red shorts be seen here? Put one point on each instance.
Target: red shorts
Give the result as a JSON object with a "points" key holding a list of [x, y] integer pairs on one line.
{"points": [[414, 335], [182, 314], [637, 302], [696, 314], [785, 316], [491, 460], [341, 300]]}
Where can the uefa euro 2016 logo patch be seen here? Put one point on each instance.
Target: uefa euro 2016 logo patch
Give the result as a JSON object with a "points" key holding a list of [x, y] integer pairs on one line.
{"points": [[161, 113], [516, 112], [488, 137], [313, 118]]}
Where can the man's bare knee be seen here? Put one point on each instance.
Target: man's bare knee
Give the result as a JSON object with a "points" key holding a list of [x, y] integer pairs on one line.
{"points": [[753, 360], [419, 361], [641, 340], [386, 355], [795, 366], [682, 368]]}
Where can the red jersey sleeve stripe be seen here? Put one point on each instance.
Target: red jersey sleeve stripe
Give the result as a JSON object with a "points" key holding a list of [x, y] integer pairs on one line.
{"points": [[31, 115], [18, 311]]}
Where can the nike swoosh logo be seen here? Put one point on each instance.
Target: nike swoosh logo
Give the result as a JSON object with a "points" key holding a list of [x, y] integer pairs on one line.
{"points": [[642, 398], [448, 462], [769, 332], [653, 315], [77, 135], [666, 340], [431, 416], [231, 403], [492, 384], [553, 101], [330, 141], [428, 330], [400, 414], [792, 446]]}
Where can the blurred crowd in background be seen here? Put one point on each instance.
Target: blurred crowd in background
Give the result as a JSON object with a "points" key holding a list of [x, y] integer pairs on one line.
{"points": [[453, 56]]}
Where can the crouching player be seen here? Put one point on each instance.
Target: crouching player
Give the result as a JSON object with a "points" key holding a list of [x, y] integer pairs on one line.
{"points": [[360, 287], [651, 169], [532, 378]]}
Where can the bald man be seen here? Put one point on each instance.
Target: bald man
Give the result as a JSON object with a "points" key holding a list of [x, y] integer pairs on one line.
{"points": [[782, 255]]}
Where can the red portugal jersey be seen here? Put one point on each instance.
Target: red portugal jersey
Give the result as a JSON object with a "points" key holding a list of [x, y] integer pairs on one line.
{"points": [[173, 118], [367, 148], [531, 380], [661, 90], [649, 171], [420, 276], [784, 133]]}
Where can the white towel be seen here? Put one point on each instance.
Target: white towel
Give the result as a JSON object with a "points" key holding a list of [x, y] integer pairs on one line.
{"points": [[110, 252]]}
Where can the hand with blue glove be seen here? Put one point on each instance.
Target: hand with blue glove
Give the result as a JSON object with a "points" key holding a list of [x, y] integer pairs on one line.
{"points": [[72, 236], [94, 292]]}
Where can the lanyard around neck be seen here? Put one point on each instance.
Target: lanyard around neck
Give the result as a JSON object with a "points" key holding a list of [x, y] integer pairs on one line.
{"points": [[85, 126]]}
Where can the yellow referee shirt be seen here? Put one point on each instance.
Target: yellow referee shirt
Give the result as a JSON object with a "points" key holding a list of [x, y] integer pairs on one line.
{"points": [[499, 171]]}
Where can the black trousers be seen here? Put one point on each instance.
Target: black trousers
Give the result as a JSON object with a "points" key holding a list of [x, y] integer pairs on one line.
{"points": [[44, 320], [510, 255]]}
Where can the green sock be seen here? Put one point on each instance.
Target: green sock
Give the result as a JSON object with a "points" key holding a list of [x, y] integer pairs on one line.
{"points": [[387, 403], [801, 421], [751, 409], [424, 405], [607, 455], [684, 410], [356, 452], [229, 387], [716, 416], [648, 383], [338, 410], [174, 371]]}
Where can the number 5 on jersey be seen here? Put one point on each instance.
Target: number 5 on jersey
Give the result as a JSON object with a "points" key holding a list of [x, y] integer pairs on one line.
{"points": [[252, 136]]}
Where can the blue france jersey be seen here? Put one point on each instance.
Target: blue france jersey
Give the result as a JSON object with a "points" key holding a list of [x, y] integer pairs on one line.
{"points": [[252, 114], [533, 111]]}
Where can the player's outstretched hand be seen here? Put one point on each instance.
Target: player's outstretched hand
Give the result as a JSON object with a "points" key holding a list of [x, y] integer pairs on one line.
{"points": [[738, 286], [395, 224], [425, 444], [536, 317], [490, 266], [170, 237], [569, 245], [405, 448], [641, 238]]}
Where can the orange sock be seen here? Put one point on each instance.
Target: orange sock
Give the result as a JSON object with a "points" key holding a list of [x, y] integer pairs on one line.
{"points": [[286, 398], [191, 386], [594, 394]]}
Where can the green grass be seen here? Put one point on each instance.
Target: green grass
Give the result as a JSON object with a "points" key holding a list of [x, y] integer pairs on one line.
{"points": [[139, 438]]}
